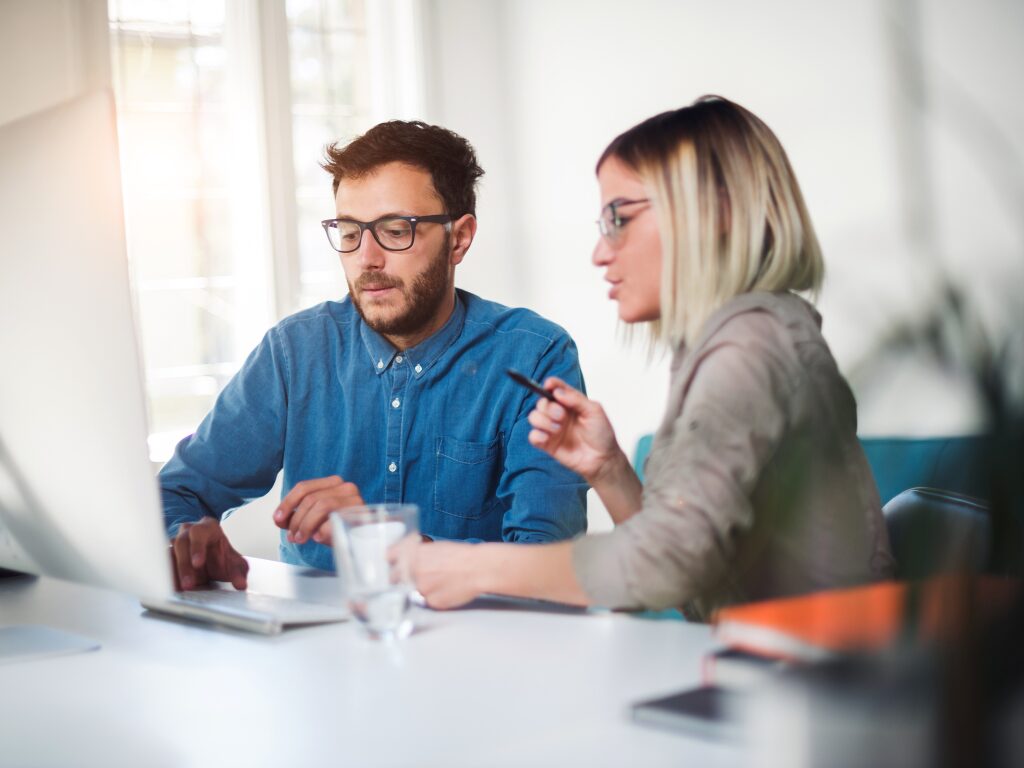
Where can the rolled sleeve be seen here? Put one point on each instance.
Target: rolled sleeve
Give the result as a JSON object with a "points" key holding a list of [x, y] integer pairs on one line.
{"points": [[599, 562]]}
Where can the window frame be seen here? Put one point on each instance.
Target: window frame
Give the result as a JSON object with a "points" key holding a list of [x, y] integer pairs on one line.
{"points": [[264, 245]]}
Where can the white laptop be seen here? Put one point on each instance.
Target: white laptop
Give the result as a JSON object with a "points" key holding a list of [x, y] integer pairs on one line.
{"points": [[278, 596]]}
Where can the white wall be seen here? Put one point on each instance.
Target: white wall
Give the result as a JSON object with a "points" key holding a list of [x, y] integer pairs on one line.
{"points": [[541, 86], [50, 51]]}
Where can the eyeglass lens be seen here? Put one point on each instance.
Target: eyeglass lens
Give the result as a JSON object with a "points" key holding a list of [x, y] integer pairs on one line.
{"points": [[393, 234], [611, 222]]}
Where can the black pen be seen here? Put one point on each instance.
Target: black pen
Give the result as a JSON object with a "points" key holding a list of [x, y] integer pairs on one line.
{"points": [[530, 384]]}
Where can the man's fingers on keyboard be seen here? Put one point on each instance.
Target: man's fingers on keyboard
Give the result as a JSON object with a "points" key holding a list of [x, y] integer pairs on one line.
{"points": [[183, 562], [201, 538], [239, 574]]}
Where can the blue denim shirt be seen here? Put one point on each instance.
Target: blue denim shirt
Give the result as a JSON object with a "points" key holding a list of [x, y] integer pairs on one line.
{"points": [[440, 425]]}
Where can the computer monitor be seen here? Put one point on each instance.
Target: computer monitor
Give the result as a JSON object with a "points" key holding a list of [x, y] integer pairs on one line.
{"points": [[78, 496]]}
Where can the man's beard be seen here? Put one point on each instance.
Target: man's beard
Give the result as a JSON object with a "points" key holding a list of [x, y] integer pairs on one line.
{"points": [[423, 299]]}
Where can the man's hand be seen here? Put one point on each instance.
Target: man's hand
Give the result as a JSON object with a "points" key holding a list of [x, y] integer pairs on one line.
{"points": [[201, 553], [447, 573], [305, 510]]}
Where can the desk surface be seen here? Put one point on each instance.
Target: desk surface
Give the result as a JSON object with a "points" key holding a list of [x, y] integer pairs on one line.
{"points": [[490, 685]]}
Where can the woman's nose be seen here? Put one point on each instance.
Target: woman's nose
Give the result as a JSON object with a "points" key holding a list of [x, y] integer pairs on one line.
{"points": [[602, 252]]}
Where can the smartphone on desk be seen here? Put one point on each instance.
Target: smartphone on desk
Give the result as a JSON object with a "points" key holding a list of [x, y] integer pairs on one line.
{"points": [[707, 712], [529, 383]]}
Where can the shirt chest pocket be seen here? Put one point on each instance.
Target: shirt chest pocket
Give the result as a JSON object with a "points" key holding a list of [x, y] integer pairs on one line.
{"points": [[466, 476]]}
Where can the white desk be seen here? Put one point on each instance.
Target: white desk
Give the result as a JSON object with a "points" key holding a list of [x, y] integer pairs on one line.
{"points": [[484, 686]]}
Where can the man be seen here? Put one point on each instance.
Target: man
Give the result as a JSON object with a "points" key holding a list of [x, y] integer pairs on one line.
{"points": [[397, 393]]}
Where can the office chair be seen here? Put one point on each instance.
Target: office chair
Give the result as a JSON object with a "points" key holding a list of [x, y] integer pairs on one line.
{"points": [[933, 531], [643, 447], [961, 464]]}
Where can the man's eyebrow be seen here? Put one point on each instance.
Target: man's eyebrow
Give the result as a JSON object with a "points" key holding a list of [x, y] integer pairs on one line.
{"points": [[388, 215]]}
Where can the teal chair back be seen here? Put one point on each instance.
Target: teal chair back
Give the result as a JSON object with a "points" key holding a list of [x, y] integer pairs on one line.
{"points": [[957, 464], [643, 447]]}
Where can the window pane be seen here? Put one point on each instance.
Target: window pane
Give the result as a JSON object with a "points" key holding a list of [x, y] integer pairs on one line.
{"points": [[188, 324], [317, 253], [174, 116], [169, 76], [172, 152], [329, 68], [195, 231]]}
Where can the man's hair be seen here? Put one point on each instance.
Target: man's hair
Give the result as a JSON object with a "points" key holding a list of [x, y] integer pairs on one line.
{"points": [[730, 212], [446, 156]]}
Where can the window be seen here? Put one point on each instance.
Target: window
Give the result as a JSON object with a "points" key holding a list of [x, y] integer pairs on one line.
{"points": [[224, 108], [330, 101]]}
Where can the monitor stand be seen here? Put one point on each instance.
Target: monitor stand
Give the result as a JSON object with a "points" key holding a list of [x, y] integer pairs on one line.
{"points": [[21, 642]]}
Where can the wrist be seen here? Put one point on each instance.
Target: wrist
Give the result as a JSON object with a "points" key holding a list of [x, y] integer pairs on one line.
{"points": [[611, 471], [482, 562]]}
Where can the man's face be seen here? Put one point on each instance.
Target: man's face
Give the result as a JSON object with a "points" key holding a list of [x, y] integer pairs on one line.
{"points": [[398, 293]]}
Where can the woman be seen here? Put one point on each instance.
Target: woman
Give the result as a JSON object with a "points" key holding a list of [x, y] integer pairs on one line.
{"points": [[756, 484]]}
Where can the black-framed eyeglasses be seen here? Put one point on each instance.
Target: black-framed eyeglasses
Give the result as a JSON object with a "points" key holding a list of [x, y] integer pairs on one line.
{"points": [[392, 233], [612, 221]]}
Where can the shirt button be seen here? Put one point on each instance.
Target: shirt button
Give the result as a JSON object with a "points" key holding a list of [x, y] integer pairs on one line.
{"points": [[398, 359], [380, 363], [418, 368], [395, 403], [392, 467]]}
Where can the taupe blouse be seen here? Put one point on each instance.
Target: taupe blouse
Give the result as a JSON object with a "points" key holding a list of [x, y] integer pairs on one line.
{"points": [[756, 485]]}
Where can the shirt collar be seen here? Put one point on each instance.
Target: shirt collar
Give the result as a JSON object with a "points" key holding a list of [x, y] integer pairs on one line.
{"points": [[423, 355]]}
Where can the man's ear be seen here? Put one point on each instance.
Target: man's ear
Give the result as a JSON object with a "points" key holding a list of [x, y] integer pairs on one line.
{"points": [[463, 232]]}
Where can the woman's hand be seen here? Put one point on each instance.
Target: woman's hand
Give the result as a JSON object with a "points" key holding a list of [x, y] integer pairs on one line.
{"points": [[574, 430], [447, 573]]}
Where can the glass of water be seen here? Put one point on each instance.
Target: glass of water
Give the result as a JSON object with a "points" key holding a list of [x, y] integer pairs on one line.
{"points": [[373, 546]]}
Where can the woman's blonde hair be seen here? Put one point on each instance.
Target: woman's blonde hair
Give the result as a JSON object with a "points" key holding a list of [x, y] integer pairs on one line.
{"points": [[730, 213]]}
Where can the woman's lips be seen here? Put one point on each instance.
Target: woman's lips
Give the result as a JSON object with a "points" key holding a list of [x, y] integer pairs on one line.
{"points": [[613, 292]]}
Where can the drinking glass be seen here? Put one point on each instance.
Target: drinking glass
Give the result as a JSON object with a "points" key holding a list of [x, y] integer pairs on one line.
{"points": [[373, 546]]}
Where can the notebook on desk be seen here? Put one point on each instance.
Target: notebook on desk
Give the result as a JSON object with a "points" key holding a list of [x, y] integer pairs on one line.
{"points": [[822, 625]]}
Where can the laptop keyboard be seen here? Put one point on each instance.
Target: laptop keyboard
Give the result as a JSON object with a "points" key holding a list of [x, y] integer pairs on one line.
{"points": [[288, 610], [249, 611]]}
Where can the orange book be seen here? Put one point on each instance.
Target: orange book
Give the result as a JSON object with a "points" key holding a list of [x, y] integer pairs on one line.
{"points": [[868, 618]]}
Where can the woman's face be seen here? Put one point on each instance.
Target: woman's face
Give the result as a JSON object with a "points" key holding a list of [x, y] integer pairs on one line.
{"points": [[630, 252]]}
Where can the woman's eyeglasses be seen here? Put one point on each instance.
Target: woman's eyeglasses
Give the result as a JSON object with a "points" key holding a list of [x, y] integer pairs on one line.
{"points": [[612, 222]]}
